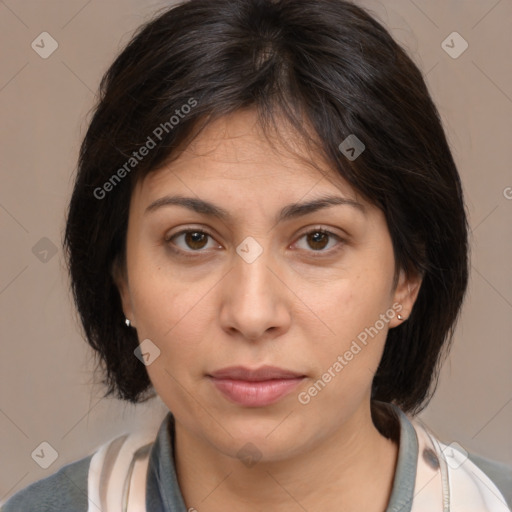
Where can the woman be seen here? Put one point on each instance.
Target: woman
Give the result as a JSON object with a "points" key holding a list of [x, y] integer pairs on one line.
{"points": [[268, 231]]}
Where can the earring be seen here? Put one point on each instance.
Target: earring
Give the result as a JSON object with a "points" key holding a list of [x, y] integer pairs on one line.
{"points": [[127, 322], [400, 317]]}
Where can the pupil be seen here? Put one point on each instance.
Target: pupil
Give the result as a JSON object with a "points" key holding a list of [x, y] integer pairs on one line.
{"points": [[319, 235], [196, 237]]}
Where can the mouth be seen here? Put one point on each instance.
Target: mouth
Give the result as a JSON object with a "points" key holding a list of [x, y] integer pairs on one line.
{"points": [[255, 387]]}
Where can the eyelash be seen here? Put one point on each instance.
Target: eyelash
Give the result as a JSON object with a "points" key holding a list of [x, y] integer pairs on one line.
{"points": [[316, 254]]}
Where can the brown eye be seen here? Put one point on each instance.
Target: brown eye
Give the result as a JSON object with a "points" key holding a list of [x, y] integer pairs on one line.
{"points": [[318, 239], [194, 240]]}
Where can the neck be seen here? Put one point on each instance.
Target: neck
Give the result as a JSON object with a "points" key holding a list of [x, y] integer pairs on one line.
{"points": [[351, 469]]}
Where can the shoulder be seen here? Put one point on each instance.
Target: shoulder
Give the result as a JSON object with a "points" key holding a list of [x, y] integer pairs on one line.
{"points": [[498, 472], [89, 480], [65, 490], [469, 477]]}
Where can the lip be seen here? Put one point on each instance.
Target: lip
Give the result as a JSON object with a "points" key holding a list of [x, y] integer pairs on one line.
{"points": [[254, 375], [255, 387]]}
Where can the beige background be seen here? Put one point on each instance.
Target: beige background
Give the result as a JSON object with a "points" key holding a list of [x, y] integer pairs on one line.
{"points": [[46, 390]]}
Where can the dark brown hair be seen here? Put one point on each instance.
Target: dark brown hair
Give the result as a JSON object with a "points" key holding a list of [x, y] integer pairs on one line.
{"points": [[325, 64]]}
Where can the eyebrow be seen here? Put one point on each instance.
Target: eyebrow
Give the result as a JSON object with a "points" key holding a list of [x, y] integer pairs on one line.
{"points": [[290, 211]]}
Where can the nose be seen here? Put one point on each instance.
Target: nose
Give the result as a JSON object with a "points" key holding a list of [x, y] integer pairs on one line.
{"points": [[255, 300]]}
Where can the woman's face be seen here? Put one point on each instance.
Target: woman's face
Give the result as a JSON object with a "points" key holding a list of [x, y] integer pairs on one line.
{"points": [[258, 290]]}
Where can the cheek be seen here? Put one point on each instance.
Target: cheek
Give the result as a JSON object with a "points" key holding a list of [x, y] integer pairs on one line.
{"points": [[354, 303], [348, 355], [173, 313]]}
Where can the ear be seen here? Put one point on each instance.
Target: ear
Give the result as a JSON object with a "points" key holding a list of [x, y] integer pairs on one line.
{"points": [[119, 275], [404, 296]]}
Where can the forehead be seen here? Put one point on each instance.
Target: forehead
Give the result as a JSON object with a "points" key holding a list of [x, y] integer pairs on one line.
{"points": [[234, 151]]}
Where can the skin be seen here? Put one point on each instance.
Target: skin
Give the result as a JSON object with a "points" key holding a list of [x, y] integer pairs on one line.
{"points": [[286, 308]]}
